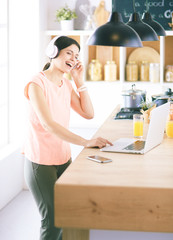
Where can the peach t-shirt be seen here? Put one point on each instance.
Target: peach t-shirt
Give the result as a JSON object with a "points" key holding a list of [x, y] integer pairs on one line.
{"points": [[41, 146]]}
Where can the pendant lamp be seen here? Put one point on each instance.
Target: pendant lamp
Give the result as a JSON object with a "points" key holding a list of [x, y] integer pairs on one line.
{"points": [[115, 33], [145, 32], [146, 18]]}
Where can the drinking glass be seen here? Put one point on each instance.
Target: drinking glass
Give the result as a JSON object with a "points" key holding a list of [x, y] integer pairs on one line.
{"points": [[138, 125], [169, 123], [169, 128]]}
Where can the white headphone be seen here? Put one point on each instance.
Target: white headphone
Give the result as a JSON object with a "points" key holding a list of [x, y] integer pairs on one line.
{"points": [[52, 50]]}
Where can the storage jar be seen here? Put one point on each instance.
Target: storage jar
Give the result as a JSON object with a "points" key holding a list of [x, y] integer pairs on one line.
{"points": [[110, 71], [169, 73], [154, 72], [144, 71], [95, 70], [131, 71]]}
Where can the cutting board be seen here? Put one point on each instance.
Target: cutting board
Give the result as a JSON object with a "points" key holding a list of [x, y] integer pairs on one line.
{"points": [[101, 15], [144, 54]]}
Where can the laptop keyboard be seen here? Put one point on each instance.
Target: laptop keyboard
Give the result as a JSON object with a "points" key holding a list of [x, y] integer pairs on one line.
{"points": [[137, 145]]}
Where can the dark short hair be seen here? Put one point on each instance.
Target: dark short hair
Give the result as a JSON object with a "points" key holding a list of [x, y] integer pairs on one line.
{"points": [[64, 41]]}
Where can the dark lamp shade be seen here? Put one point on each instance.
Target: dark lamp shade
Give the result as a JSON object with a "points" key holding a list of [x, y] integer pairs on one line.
{"points": [[145, 32], [115, 33], [146, 18]]}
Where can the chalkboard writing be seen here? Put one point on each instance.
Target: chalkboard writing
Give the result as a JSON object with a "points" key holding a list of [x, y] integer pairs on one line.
{"points": [[160, 10]]}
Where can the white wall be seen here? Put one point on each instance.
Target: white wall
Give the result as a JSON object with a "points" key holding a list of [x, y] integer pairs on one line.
{"points": [[23, 55], [104, 99], [24, 62], [11, 177], [53, 5]]}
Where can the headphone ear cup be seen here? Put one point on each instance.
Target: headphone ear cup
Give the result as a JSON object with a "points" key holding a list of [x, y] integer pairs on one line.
{"points": [[52, 50]]}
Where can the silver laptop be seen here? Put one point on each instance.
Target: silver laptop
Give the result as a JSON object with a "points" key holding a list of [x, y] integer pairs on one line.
{"points": [[154, 136]]}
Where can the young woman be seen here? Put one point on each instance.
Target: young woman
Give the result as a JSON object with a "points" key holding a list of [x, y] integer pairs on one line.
{"points": [[47, 149]]}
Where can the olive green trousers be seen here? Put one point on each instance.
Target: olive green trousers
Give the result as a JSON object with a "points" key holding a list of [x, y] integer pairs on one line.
{"points": [[40, 180]]}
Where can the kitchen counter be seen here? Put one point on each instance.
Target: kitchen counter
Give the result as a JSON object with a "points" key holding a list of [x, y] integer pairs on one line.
{"points": [[134, 192]]}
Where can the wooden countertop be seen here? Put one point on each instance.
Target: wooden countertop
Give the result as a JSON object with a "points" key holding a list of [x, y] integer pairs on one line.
{"points": [[134, 192]]}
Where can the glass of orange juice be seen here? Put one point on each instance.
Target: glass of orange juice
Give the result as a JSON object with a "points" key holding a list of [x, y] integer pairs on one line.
{"points": [[169, 128], [169, 123], [138, 125]]}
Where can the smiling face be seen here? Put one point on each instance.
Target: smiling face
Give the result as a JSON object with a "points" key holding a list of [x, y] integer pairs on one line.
{"points": [[67, 59]]}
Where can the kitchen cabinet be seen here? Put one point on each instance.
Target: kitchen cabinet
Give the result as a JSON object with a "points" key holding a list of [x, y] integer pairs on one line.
{"points": [[105, 95]]}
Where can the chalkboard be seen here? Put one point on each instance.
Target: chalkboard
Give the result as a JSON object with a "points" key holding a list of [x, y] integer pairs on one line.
{"points": [[160, 10]]}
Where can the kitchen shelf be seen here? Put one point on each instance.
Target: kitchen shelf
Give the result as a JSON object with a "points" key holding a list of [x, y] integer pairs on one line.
{"points": [[103, 53], [120, 54], [70, 33], [169, 33]]}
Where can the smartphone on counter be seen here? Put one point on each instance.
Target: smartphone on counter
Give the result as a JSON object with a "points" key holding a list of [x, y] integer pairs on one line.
{"points": [[99, 159]]}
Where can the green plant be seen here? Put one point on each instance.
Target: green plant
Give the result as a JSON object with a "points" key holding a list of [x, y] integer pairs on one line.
{"points": [[65, 13], [145, 105]]}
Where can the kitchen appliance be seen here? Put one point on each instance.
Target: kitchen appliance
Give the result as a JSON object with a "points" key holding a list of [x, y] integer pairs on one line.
{"points": [[163, 98], [133, 98], [127, 113], [131, 103]]}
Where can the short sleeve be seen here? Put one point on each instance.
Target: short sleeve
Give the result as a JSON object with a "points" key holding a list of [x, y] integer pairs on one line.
{"points": [[37, 80]]}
